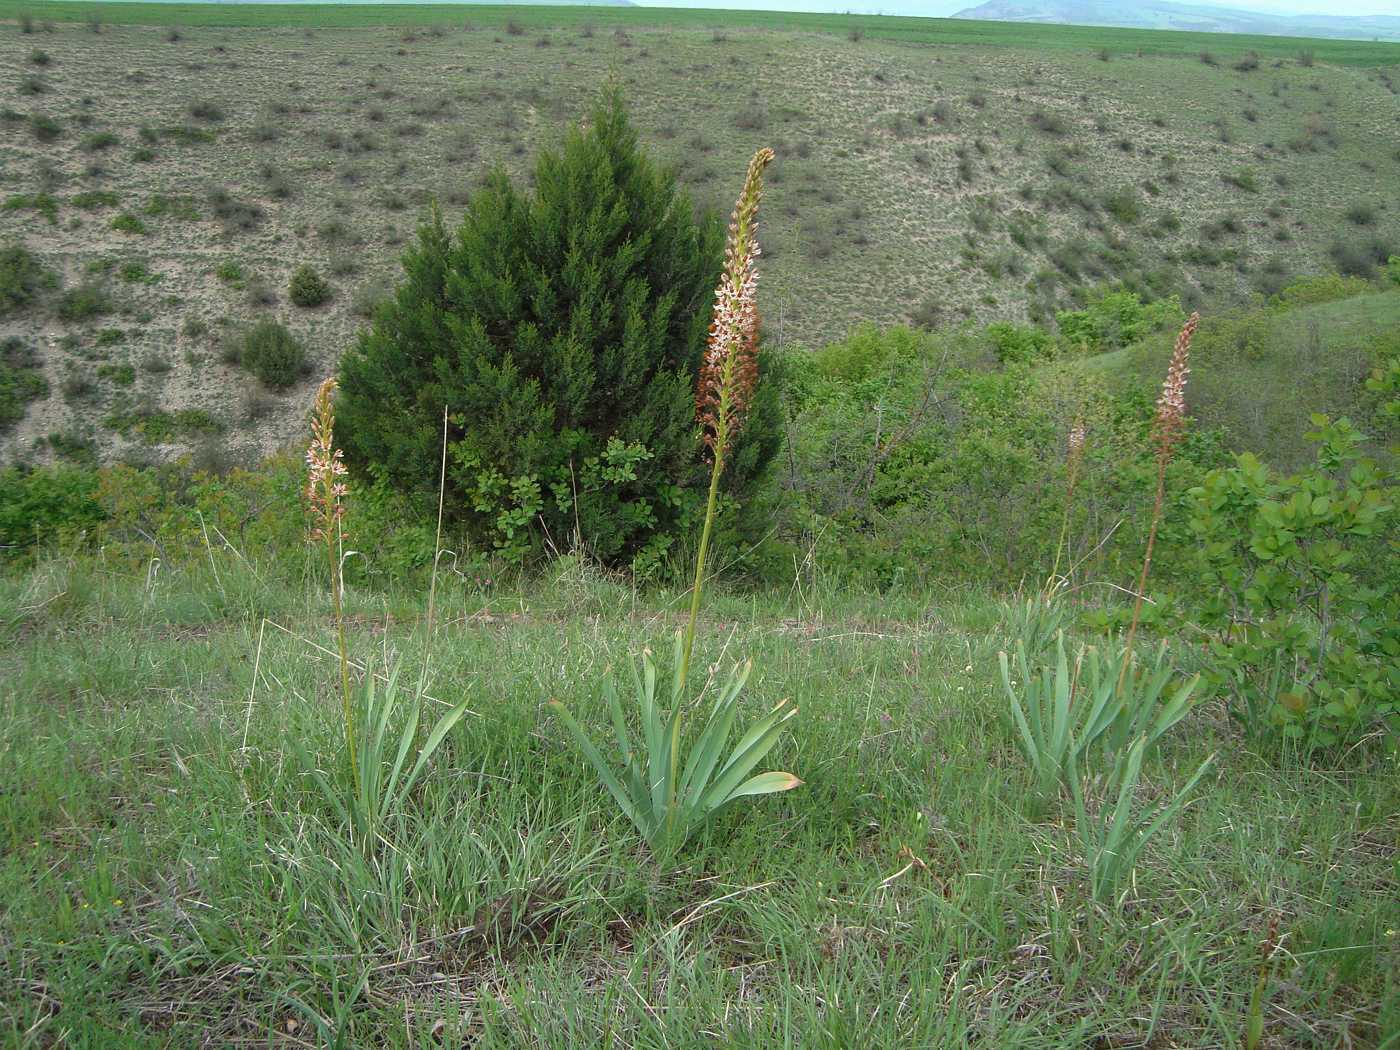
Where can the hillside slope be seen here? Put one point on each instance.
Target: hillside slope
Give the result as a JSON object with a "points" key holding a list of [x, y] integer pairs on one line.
{"points": [[1206, 18], [188, 171]]}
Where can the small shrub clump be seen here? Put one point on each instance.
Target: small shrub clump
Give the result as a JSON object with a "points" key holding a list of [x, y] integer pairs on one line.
{"points": [[308, 288], [21, 278], [273, 354]]}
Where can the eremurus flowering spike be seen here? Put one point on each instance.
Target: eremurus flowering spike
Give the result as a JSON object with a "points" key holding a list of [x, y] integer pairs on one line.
{"points": [[324, 466], [729, 371], [1170, 421]]}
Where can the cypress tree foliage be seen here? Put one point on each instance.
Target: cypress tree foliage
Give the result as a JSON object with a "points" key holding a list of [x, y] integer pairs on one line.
{"points": [[563, 331]]}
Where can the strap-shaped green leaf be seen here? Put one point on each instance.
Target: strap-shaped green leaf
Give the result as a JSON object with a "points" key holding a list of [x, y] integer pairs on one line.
{"points": [[601, 767], [750, 750], [765, 784]]}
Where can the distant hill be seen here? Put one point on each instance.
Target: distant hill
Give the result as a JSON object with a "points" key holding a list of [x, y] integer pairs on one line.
{"points": [[1202, 18]]}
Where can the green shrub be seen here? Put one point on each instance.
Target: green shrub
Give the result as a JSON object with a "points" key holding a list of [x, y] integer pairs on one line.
{"points": [[98, 141], [159, 427], [1015, 344], [1116, 319], [307, 287], [1124, 206], [1324, 288], [21, 381], [128, 223], [1302, 601], [87, 300], [1360, 256], [563, 331], [93, 199], [1392, 269], [44, 203], [121, 375], [231, 272], [21, 278], [44, 128], [273, 354], [39, 505], [1243, 179], [174, 206]]}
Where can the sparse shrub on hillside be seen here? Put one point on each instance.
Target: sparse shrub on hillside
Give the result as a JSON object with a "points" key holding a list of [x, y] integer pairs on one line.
{"points": [[307, 287], [273, 354], [1359, 256], [128, 223], [1249, 63], [21, 380], [236, 215], [1124, 206], [44, 128], [87, 300], [22, 277], [575, 407], [1362, 213], [98, 142], [207, 111], [44, 203], [1208, 59], [1049, 123], [1244, 179], [39, 57], [259, 292]]}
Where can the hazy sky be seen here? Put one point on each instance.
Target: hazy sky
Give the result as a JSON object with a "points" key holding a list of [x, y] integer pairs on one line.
{"points": [[947, 7]]}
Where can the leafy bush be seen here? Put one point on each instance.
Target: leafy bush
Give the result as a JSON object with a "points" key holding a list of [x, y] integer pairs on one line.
{"points": [[562, 330], [1116, 319], [307, 287], [273, 354], [1015, 344], [1303, 606], [21, 278], [39, 505]]}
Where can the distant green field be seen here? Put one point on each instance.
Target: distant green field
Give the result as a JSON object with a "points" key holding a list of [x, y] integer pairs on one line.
{"points": [[907, 30]]}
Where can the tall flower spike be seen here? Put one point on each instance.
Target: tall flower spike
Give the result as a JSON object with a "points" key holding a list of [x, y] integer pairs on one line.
{"points": [[1170, 421], [324, 468], [729, 372]]}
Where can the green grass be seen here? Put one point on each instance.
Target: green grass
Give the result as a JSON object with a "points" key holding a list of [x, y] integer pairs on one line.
{"points": [[170, 876], [904, 30]]}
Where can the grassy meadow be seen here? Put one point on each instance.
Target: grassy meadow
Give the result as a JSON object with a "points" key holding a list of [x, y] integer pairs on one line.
{"points": [[170, 877], [172, 169]]}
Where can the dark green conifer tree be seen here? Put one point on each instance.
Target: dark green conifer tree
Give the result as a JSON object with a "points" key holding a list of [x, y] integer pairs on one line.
{"points": [[563, 331]]}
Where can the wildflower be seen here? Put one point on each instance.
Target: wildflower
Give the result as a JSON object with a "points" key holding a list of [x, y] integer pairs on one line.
{"points": [[1170, 421], [1168, 426], [729, 372], [324, 492]]}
